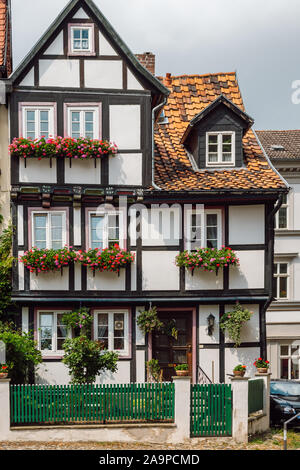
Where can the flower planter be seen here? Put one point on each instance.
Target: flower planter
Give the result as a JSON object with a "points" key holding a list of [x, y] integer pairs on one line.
{"points": [[3, 375], [262, 370], [182, 373], [239, 373]]}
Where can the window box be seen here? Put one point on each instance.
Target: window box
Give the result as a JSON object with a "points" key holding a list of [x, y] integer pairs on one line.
{"points": [[45, 260], [109, 259], [209, 259]]}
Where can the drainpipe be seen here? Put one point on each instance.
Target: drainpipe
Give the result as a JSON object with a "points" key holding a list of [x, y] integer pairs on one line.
{"points": [[153, 122]]}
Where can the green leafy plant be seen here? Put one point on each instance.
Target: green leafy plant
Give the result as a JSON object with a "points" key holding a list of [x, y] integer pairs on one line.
{"points": [[80, 320], [7, 308], [240, 367], [208, 259], [86, 359], [4, 368], [39, 260], [261, 364], [181, 367], [154, 370], [232, 322], [170, 329], [108, 259], [22, 354], [148, 321]]}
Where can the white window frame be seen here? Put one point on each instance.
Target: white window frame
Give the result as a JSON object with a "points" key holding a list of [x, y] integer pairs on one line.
{"points": [[54, 350], [106, 214], [283, 206], [48, 227], [290, 357], [80, 108], [110, 313], [91, 28], [37, 109], [219, 162], [286, 275], [202, 213]]}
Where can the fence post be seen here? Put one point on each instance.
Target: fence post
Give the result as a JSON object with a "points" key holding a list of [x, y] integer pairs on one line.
{"points": [[266, 400], [239, 387], [5, 409], [182, 406]]}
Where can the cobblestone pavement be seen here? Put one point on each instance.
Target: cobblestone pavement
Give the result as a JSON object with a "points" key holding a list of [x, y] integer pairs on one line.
{"points": [[271, 442]]}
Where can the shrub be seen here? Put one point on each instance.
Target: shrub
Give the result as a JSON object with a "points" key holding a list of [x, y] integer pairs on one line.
{"points": [[80, 320], [233, 321]]}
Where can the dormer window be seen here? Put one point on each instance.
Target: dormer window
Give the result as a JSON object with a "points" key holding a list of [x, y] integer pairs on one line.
{"points": [[81, 39], [220, 149]]}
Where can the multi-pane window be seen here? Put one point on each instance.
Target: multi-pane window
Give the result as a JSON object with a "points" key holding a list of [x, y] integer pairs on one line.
{"points": [[111, 330], [281, 219], [49, 229], [81, 39], [289, 361], [52, 331], [104, 230], [220, 148], [37, 122], [281, 276], [204, 229], [83, 121]]}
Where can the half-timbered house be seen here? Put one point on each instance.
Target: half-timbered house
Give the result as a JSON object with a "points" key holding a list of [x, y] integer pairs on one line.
{"points": [[187, 159]]}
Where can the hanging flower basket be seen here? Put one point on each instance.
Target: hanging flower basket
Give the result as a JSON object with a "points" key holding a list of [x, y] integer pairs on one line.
{"points": [[109, 259], [208, 259], [43, 260], [67, 147]]}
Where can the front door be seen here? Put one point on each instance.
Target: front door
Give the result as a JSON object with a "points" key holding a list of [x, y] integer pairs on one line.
{"points": [[171, 351]]}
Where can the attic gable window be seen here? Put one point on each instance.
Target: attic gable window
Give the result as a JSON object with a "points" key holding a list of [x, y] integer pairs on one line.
{"points": [[220, 148], [81, 39]]}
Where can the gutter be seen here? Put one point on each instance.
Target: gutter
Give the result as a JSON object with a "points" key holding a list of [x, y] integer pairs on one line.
{"points": [[153, 123]]}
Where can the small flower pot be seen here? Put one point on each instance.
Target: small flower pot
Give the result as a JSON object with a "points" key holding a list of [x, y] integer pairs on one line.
{"points": [[239, 373], [3, 375], [182, 373], [262, 370]]}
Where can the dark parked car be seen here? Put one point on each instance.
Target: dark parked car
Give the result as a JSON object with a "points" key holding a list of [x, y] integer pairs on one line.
{"points": [[284, 401]]}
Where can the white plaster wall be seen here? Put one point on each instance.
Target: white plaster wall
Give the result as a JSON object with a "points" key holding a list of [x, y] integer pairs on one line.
{"points": [[77, 226], [77, 276], [132, 82], [286, 244], [133, 273], [203, 280], [83, 171], [50, 280], [244, 356], [103, 74], [105, 280], [25, 319], [161, 226], [247, 224], [81, 15], [295, 225], [37, 171], [250, 329], [20, 212], [283, 316], [159, 270], [140, 366], [59, 73], [28, 80], [104, 46], [140, 337], [250, 273], [125, 126], [209, 363], [21, 272], [126, 169], [204, 312], [57, 46], [122, 376]]}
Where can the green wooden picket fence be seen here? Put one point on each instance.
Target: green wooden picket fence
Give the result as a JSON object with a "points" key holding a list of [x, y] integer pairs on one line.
{"points": [[211, 410], [82, 404], [255, 395]]}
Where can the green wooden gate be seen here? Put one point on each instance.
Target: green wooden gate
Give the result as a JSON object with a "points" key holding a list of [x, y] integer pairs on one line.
{"points": [[211, 410]]}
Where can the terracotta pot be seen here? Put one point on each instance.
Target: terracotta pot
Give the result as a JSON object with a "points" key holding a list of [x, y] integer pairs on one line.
{"points": [[262, 370], [3, 375], [182, 372], [239, 373]]}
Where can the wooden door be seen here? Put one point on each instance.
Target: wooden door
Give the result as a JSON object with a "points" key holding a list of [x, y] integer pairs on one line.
{"points": [[170, 351]]}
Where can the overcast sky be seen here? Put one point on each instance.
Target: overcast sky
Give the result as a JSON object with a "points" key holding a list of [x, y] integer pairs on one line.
{"points": [[257, 39]]}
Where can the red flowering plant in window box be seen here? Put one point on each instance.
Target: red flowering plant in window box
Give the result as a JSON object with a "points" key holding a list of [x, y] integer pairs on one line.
{"points": [[82, 148], [209, 259], [109, 259], [44, 260]]}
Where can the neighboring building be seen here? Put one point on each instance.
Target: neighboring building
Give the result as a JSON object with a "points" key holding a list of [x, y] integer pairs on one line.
{"points": [[283, 316], [5, 71], [207, 168]]}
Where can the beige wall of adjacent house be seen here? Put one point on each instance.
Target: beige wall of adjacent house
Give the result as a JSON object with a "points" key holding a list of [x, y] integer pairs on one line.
{"points": [[4, 166]]}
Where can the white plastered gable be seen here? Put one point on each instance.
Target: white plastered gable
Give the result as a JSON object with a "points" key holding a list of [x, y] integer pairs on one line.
{"points": [[80, 15]]}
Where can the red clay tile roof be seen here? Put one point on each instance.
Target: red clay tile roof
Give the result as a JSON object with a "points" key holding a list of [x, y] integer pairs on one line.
{"points": [[5, 50], [190, 94], [289, 141]]}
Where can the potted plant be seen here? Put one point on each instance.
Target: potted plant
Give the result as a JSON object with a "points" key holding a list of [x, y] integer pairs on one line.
{"points": [[181, 369], [4, 371], [261, 365], [239, 370]]}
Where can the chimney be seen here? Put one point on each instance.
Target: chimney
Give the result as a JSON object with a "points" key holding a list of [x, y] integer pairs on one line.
{"points": [[168, 79], [147, 59]]}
